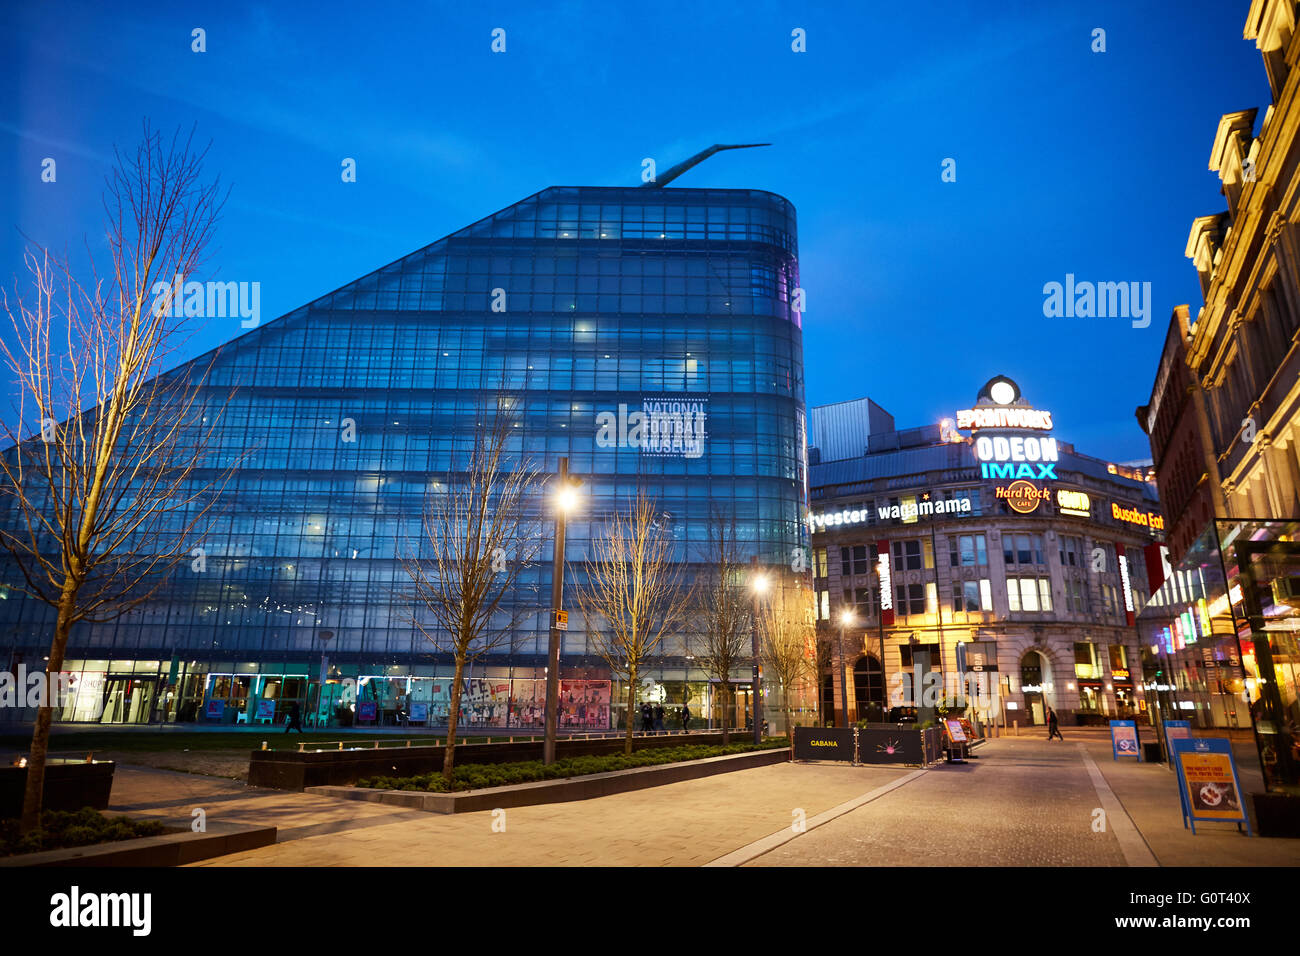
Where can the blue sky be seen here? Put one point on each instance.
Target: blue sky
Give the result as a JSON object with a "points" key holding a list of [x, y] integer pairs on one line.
{"points": [[1067, 161]]}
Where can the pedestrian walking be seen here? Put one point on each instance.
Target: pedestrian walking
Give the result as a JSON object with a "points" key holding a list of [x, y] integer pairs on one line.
{"points": [[646, 719], [295, 719], [686, 719], [659, 718], [1053, 728]]}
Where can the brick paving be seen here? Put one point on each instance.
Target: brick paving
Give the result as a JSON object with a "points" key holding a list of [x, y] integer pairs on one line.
{"points": [[1024, 802]]}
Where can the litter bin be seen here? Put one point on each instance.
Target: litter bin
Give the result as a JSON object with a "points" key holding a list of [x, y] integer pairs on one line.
{"points": [[1151, 752]]}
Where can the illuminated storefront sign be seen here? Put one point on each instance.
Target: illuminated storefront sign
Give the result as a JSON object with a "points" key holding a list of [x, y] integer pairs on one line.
{"points": [[906, 511], [1123, 580], [1145, 519], [1021, 496], [1002, 417], [1073, 503], [886, 584]]}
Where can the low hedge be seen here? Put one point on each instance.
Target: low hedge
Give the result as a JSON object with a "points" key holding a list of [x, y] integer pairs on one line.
{"points": [[60, 830], [482, 776]]}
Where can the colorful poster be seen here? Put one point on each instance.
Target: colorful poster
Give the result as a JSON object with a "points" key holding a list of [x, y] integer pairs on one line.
{"points": [[419, 713], [265, 710], [1124, 739], [528, 704], [216, 709], [1177, 730], [584, 704], [1207, 781], [367, 710], [955, 732]]}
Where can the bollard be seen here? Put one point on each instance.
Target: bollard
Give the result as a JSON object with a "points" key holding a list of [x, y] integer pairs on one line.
{"points": [[408, 743], [263, 744], [376, 744], [340, 745], [300, 747]]}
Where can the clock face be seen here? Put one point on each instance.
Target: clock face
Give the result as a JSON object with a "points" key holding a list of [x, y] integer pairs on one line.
{"points": [[1004, 393]]}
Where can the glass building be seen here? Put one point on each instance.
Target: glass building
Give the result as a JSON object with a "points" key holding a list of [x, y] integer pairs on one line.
{"points": [[574, 302]]}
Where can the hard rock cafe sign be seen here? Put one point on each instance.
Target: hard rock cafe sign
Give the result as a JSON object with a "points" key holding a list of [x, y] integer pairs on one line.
{"points": [[1021, 496]]}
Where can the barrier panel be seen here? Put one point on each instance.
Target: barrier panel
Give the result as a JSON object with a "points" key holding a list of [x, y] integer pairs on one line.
{"points": [[823, 743]]}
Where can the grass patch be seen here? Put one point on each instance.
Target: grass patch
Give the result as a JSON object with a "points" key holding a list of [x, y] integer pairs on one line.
{"points": [[85, 827], [481, 776]]}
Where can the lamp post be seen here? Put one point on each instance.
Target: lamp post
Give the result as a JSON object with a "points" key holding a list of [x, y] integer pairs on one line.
{"points": [[759, 583], [565, 499], [846, 619]]}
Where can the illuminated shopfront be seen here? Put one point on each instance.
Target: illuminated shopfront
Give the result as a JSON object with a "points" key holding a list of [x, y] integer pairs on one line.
{"points": [[1220, 639]]}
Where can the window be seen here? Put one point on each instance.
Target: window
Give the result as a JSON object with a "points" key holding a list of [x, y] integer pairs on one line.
{"points": [[819, 563], [1076, 596], [1029, 594], [854, 561], [862, 600], [909, 599], [971, 595], [823, 605], [1022, 549], [907, 555], [967, 551], [1118, 657], [1085, 661], [1071, 552]]}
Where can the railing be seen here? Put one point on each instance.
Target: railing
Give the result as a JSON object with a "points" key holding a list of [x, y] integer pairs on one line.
{"points": [[318, 746]]}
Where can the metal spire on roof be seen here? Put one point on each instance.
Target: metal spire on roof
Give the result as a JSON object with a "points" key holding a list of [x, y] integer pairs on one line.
{"points": [[695, 160]]}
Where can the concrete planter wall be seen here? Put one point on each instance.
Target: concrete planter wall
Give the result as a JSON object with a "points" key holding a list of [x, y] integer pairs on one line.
{"points": [[291, 770], [69, 785], [561, 791]]}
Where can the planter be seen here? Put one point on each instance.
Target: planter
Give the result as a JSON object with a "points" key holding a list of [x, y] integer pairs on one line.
{"points": [[560, 791], [69, 785], [1277, 814]]}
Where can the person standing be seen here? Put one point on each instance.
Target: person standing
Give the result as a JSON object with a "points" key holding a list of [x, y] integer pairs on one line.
{"points": [[659, 718], [1053, 728], [686, 718], [295, 718]]}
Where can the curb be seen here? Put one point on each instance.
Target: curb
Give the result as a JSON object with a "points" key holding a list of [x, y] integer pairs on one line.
{"points": [[168, 849], [559, 791]]}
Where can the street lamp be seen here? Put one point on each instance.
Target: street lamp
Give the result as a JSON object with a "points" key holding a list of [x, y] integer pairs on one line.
{"points": [[759, 583], [566, 500], [846, 620]]}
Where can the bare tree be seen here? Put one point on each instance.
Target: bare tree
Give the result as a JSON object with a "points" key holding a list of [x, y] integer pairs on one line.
{"points": [[726, 610], [476, 542], [106, 472], [631, 594], [789, 643]]}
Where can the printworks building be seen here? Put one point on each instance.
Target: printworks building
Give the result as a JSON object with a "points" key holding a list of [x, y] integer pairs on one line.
{"points": [[1003, 552]]}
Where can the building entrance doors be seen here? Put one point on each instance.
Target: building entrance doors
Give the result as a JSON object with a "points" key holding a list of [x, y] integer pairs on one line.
{"points": [[128, 700]]}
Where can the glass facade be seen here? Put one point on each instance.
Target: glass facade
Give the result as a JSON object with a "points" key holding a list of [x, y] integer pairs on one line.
{"points": [[574, 307], [1220, 640]]}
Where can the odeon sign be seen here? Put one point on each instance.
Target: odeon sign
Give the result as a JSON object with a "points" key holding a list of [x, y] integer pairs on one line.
{"points": [[1000, 408]]}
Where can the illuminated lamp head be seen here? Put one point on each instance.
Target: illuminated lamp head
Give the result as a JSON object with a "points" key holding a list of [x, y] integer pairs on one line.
{"points": [[999, 390]]}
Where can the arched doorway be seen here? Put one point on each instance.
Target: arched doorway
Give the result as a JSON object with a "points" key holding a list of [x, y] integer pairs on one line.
{"points": [[1036, 685], [869, 688]]}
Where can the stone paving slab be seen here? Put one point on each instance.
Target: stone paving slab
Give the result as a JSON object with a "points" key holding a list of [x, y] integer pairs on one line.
{"points": [[1020, 804], [683, 824]]}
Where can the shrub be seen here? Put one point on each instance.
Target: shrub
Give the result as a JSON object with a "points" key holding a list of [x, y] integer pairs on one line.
{"points": [[483, 776]]}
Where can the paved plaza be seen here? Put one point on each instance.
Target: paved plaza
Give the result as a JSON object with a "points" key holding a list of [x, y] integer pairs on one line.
{"points": [[1024, 802]]}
